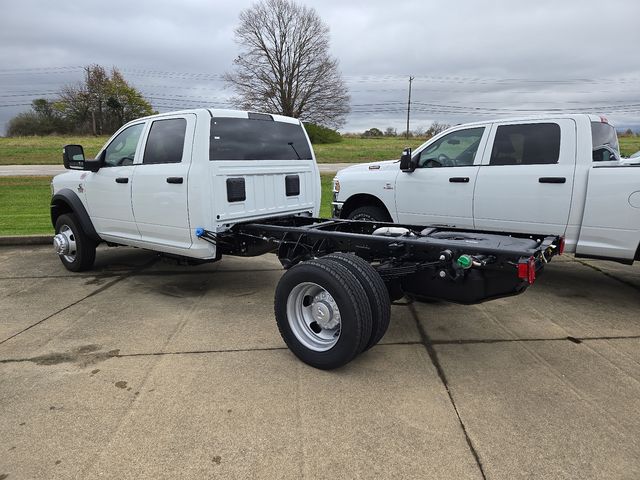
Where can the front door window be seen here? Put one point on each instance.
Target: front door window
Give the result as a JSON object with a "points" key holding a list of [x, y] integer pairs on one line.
{"points": [[122, 149], [457, 149]]}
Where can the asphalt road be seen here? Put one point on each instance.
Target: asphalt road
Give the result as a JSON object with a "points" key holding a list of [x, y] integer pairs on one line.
{"points": [[145, 369], [52, 170]]}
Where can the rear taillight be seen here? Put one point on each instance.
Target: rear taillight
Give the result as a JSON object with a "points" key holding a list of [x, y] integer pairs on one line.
{"points": [[561, 246], [527, 270]]}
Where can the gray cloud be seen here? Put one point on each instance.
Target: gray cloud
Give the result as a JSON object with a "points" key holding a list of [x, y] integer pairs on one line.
{"points": [[471, 59]]}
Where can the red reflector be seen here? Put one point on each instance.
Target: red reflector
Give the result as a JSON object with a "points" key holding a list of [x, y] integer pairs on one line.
{"points": [[527, 270], [561, 246]]}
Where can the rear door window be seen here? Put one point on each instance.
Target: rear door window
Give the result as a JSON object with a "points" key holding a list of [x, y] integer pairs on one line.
{"points": [[257, 139], [526, 144], [165, 142]]}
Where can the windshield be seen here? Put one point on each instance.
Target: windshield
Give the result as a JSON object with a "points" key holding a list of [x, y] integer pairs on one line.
{"points": [[604, 134]]}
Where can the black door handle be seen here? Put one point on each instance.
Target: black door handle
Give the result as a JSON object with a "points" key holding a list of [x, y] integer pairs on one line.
{"points": [[459, 179], [174, 180], [552, 180], [122, 180]]}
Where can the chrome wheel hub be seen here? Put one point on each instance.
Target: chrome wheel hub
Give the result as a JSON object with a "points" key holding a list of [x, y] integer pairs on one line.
{"points": [[314, 316], [64, 243], [325, 311]]}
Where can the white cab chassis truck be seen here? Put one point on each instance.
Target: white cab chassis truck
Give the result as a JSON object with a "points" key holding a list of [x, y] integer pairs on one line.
{"points": [[200, 184], [559, 175]]}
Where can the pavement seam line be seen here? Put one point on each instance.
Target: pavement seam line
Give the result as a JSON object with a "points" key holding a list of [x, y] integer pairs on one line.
{"points": [[607, 274], [200, 352], [95, 292], [162, 354], [142, 274], [433, 356], [91, 294]]}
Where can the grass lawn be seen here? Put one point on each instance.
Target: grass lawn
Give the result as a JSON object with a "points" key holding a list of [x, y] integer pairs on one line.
{"points": [[327, 194], [629, 145], [43, 150], [48, 150], [25, 202], [25, 205], [358, 150]]}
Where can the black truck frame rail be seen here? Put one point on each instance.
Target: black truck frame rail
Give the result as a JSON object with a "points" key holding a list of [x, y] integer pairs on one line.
{"points": [[456, 265], [333, 302]]}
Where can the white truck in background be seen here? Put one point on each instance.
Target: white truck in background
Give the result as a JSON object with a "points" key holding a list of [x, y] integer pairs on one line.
{"points": [[558, 174]]}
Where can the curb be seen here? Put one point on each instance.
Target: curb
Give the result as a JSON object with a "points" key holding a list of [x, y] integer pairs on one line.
{"points": [[12, 241]]}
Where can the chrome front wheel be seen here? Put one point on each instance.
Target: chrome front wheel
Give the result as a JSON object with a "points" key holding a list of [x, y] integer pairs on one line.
{"points": [[64, 243]]}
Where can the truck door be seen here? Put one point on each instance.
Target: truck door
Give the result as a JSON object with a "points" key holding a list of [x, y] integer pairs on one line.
{"points": [[108, 191], [160, 182], [440, 190], [526, 179]]}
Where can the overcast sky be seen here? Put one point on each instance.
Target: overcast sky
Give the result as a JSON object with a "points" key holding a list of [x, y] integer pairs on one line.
{"points": [[470, 59]]}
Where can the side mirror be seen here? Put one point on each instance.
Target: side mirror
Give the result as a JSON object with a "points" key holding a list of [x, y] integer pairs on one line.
{"points": [[94, 165], [73, 157], [407, 164]]}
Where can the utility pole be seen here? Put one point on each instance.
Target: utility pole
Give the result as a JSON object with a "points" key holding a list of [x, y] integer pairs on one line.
{"points": [[409, 106]]}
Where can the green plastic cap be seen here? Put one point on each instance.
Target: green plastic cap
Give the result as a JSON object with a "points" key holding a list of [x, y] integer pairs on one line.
{"points": [[465, 261]]}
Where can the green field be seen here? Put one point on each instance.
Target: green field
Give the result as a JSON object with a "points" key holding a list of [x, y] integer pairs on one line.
{"points": [[25, 202], [25, 205], [629, 145], [48, 150], [43, 150]]}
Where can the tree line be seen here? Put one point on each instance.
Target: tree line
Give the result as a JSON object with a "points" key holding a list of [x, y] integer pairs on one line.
{"points": [[98, 105]]}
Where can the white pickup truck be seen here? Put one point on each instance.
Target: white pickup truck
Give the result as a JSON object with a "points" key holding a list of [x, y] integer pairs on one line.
{"points": [[557, 175], [204, 183]]}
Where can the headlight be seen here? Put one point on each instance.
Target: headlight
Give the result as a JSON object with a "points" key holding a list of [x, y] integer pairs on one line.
{"points": [[336, 185]]}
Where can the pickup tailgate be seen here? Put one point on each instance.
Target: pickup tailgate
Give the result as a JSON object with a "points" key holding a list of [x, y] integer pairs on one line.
{"points": [[264, 189], [611, 221]]}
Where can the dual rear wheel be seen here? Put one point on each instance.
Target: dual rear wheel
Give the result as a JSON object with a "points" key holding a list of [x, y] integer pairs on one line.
{"points": [[330, 309]]}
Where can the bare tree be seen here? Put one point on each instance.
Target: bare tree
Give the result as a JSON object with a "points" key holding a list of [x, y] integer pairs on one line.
{"points": [[284, 64], [436, 128]]}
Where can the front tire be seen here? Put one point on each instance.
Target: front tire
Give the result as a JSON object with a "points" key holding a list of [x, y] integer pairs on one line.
{"points": [[369, 213], [323, 313], [77, 252]]}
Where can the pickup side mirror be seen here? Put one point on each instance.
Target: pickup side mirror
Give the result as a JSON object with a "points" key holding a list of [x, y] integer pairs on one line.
{"points": [[407, 164], [73, 157]]}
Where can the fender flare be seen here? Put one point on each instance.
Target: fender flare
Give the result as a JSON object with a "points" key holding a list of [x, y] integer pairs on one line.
{"points": [[67, 200]]}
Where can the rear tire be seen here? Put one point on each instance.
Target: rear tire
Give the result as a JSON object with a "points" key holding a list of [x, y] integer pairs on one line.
{"points": [[375, 289], [323, 314], [81, 251], [369, 213]]}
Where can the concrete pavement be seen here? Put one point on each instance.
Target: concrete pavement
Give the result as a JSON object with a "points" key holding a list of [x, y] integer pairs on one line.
{"points": [[52, 170], [144, 369]]}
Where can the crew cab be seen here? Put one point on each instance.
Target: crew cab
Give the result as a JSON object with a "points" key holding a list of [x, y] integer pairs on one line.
{"points": [[558, 174], [160, 177], [202, 184]]}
